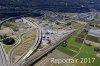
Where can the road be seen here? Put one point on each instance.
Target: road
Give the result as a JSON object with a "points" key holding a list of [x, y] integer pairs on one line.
{"points": [[6, 20], [35, 45], [46, 61], [38, 38], [3, 61], [40, 54]]}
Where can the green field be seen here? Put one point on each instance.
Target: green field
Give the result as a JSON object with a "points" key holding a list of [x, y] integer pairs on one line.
{"points": [[86, 51], [72, 47], [7, 48]]}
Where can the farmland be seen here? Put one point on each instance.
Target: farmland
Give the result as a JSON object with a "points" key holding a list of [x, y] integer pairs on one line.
{"points": [[93, 38], [77, 49], [72, 46], [60, 26]]}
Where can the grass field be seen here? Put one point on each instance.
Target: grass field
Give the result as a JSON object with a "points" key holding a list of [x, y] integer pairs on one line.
{"points": [[7, 48], [86, 52], [72, 47], [76, 25]]}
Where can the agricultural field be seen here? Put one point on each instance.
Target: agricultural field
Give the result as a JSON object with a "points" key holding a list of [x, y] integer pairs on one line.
{"points": [[77, 49], [93, 38], [28, 40], [72, 46], [80, 38], [88, 52]]}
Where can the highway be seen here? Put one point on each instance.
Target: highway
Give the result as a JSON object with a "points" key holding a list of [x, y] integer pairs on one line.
{"points": [[25, 59], [40, 54], [3, 61], [6, 20], [38, 38], [35, 45], [10, 52]]}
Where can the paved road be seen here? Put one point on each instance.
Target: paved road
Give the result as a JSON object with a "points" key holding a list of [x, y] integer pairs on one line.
{"points": [[40, 54], [46, 61], [3, 61], [35, 45], [38, 38]]}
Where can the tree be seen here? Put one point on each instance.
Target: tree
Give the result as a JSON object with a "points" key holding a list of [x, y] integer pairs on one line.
{"points": [[57, 23], [64, 44], [69, 23]]}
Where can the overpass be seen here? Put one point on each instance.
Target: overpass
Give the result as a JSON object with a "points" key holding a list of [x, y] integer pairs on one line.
{"points": [[32, 59], [35, 45], [40, 54]]}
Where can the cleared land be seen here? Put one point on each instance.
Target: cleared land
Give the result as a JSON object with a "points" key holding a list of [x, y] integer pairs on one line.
{"points": [[27, 41], [92, 38], [76, 25], [13, 25], [60, 26]]}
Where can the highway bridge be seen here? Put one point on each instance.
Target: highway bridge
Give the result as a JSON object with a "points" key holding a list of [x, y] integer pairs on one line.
{"points": [[35, 45], [40, 54], [3, 59]]}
